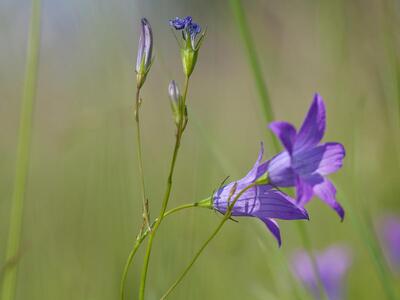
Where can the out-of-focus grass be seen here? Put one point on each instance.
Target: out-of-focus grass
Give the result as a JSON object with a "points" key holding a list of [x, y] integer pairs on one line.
{"points": [[83, 205]]}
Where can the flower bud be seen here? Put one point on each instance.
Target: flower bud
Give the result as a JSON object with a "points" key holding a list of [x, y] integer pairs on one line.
{"points": [[175, 100], [144, 55]]}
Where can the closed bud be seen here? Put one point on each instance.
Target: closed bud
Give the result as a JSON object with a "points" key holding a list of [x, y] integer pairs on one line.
{"points": [[145, 50], [175, 100]]}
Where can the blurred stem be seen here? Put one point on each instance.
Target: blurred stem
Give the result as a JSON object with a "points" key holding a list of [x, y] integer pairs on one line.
{"points": [[307, 244], [22, 160], [255, 65], [141, 238], [140, 160], [180, 129], [370, 241], [226, 217]]}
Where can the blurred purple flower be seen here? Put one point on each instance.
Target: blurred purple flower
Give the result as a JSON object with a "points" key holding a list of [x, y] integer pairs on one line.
{"points": [[305, 163], [390, 239], [332, 266], [262, 201]]}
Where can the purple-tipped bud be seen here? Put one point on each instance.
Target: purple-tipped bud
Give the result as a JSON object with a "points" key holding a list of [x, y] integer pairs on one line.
{"points": [[175, 97], [191, 42], [145, 50]]}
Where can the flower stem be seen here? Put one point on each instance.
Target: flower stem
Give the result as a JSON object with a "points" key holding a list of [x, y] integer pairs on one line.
{"points": [[140, 160], [179, 133], [22, 162], [255, 65], [305, 237], [141, 238], [226, 217]]}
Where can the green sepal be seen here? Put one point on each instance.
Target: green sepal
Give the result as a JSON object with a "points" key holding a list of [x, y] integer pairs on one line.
{"points": [[189, 59], [263, 179]]}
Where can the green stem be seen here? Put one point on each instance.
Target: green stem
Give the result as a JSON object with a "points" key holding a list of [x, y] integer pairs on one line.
{"points": [[141, 238], [226, 217], [371, 242], [140, 160], [179, 133], [255, 65], [305, 237], [22, 161]]}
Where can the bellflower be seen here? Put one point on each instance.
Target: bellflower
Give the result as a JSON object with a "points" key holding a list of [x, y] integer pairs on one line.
{"points": [[145, 50], [191, 44], [305, 163], [261, 201], [390, 239], [332, 266]]}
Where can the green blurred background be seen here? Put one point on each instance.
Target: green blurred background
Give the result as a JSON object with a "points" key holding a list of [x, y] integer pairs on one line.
{"points": [[82, 209]]}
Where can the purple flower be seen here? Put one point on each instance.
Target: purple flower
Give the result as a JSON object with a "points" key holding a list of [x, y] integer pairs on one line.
{"points": [[179, 23], [190, 29], [390, 239], [262, 201], [332, 266], [305, 163], [145, 50]]}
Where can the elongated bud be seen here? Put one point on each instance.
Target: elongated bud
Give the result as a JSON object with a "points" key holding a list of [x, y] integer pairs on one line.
{"points": [[145, 50], [175, 100]]}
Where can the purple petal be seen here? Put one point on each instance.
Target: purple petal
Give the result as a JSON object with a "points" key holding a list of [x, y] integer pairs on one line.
{"points": [[390, 238], [261, 201], [280, 171], [327, 192], [332, 159], [274, 228], [285, 132], [324, 159], [313, 128], [304, 191], [253, 173], [332, 266]]}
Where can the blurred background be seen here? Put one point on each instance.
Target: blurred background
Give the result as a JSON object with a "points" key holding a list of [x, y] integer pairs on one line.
{"points": [[82, 205]]}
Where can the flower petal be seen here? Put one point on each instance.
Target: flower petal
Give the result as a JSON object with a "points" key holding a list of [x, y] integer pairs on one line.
{"points": [[275, 204], [253, 173], [327, 192], [273, 227], [304, 191], [286, 134], [313, 128], [280, 171], [332, 159], [324, 159]]}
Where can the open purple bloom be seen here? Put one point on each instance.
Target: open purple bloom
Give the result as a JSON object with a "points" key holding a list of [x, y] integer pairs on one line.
{"points": [[262, 201], [305, 163], [332, 266], [180, 23], [190, 29], [390, 239]]}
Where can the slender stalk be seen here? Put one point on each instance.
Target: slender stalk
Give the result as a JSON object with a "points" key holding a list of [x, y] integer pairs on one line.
{"points": [[22, 162], [179, 133], [255, 65], [140, 160], [371, 242], [141, 238], [305, 237], [226, 217]]}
